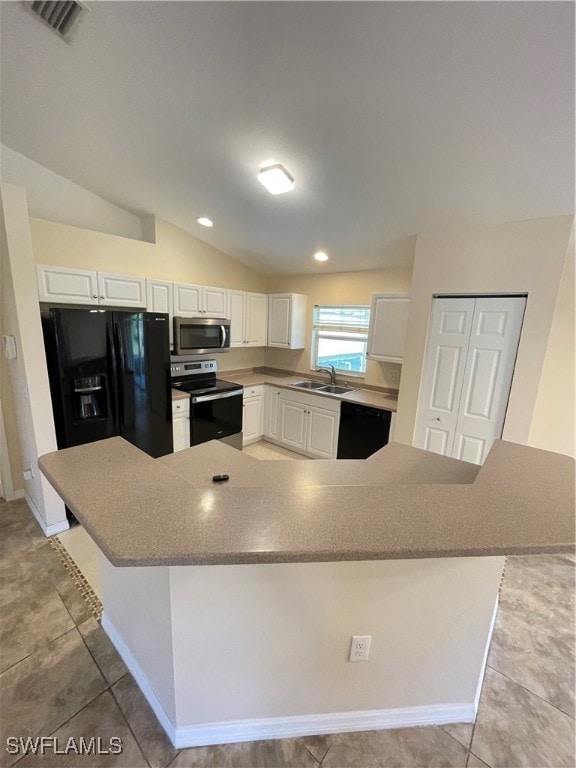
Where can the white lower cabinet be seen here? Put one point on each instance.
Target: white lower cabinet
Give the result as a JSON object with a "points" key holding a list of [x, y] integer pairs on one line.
{"points": [[322, 433], [309, 424], [181, 424], [293, 424], [272, 412], [253, 414]]}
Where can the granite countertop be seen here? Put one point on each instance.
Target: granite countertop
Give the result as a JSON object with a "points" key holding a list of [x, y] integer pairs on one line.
{"points": [[387, 401], [401, 503]]}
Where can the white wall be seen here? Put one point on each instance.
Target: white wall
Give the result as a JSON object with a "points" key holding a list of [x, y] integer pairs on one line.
{"points": [[27, 372], [51, 196], [516, 257], [553, 427], [262, 650], [141, 611], [345, 288], [175, 255]]}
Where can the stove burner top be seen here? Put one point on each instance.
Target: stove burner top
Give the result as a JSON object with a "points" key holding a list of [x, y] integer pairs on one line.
{"points": [[204, 387]]}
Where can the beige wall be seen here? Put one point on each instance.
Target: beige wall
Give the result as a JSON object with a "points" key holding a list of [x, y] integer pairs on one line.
{"points": [[342, 288], [517, 257], [553, 425], [51, 196], [176, 255], [27, 371]]}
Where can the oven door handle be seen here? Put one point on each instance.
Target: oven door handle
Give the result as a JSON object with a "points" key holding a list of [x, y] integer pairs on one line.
{"points": [[223, 336], [221, 396]]}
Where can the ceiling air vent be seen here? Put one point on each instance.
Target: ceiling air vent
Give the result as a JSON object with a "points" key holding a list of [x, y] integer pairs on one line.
{"points": [[61, 16]]}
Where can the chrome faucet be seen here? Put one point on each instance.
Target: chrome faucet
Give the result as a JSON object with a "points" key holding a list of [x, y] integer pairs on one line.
{"points": [[331, 370]]}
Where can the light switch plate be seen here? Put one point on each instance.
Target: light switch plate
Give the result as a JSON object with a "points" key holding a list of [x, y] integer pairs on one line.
{"points": [[9, 344]]}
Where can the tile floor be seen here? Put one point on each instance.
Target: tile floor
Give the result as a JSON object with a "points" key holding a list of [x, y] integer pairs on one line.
{"points": [[60, 676]]}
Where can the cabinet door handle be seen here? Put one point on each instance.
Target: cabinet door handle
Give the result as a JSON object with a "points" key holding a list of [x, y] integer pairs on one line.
{"points": [[101, 297], [94, 295]]}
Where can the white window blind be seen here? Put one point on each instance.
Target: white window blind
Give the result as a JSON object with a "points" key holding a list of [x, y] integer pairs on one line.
{"points": [[339, 338], [347, 318]]}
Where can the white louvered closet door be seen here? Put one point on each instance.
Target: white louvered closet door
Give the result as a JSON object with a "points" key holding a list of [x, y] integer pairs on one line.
{"points": [[468, 374]]}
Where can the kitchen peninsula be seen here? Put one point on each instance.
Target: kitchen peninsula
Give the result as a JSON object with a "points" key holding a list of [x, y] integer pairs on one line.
{"points": [[233, 604]]}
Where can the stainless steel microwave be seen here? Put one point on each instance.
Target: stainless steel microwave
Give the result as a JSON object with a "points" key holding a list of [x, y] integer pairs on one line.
{"points": [[201, 335]]}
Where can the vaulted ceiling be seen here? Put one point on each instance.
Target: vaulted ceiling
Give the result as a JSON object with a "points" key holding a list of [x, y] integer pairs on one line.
{"points": [[393, 118]]}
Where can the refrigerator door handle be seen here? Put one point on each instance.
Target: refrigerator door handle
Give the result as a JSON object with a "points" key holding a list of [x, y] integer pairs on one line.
{"points": [[113, 370], [120, 376]]}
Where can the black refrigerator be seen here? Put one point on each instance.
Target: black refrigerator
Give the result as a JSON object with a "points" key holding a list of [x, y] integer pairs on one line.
{"points": [[109, 375]]}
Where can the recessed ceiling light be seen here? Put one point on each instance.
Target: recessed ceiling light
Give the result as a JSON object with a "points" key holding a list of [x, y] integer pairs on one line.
{"points": [[321, 256], [276, 179], [205, 221]]}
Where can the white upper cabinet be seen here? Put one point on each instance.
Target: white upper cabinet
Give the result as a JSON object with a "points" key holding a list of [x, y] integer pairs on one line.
{"points": [[199, 300], [237, 307], [121, 291], [255, 319], [214, 301], [82, 286], [388, 324], [287, 320], [187, 300], [159, 298], [71, 286], [247, 319]]}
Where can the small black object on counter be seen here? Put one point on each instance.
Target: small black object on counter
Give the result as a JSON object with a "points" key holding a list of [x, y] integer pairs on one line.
{"points": [[220, 478]]}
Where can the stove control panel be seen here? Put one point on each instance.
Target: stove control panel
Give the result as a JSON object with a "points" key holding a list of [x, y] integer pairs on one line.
{"points": [[192, 368]]}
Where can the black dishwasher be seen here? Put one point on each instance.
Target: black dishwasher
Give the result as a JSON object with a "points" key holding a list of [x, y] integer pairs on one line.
{"points": [[363, 431]]}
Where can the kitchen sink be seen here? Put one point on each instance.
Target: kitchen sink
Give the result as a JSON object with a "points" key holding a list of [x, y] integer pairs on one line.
{"points": [[308, 384], [333, 389]]}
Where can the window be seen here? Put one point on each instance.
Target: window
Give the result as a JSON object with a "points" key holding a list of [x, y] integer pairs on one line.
{"points": [[339, 338]]}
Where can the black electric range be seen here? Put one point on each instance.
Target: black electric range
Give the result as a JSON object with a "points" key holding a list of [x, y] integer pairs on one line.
{"points": [[215, 404]]}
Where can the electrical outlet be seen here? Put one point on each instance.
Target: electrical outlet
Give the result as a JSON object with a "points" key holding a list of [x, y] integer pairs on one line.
{"points": [[360, 647]]}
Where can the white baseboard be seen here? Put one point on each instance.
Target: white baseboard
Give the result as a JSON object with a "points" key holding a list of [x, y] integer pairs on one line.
{"points": [[485, 658], [232, 731], [139, 676], [12, 495], [49, 530]]}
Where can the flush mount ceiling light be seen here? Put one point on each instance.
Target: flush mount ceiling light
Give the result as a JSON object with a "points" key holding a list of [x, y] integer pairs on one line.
{"points": [[276, 179], [206, 222], [321, 256]]}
